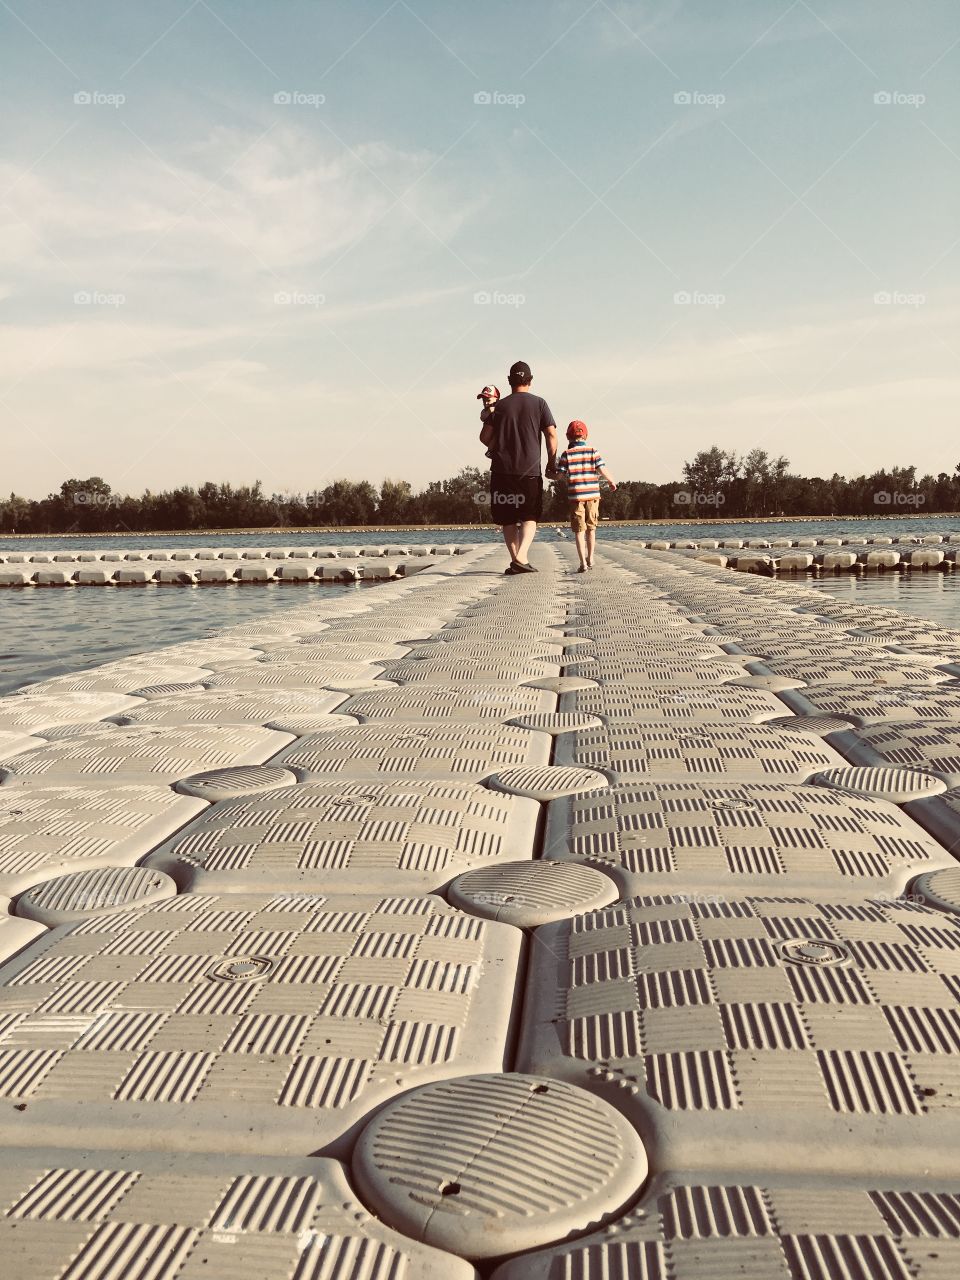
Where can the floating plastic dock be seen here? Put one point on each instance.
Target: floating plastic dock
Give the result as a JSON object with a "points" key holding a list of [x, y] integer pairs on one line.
{"points": [[554, 927]]}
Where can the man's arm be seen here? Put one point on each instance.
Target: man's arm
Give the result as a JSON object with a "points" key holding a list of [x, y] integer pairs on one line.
{"points": [[550, 435]]}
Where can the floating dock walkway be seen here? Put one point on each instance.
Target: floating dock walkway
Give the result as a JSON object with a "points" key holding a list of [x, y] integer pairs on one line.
{"points": [[557, 926]]}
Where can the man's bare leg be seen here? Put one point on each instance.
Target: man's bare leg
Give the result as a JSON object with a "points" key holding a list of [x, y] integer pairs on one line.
{"points": [[511, 536], [580, 538], [528, 531], [591, 537]]}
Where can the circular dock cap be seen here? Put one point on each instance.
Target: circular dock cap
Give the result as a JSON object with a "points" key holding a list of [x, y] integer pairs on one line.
{"points": [[819, 726], [560, 684], [773, 683], [153, 691], [940, 889], [459, 1164], [300, 724], [243, 780], [880, 783], [556, 722], [532, 893], [93, 893], [60, 732], [547, 782]]}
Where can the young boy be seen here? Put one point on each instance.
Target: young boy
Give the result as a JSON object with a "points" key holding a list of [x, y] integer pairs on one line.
{"points": [[583, 468]]}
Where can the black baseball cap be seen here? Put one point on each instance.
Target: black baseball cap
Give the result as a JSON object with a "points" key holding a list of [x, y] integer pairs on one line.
{"points": [[520, 373]]}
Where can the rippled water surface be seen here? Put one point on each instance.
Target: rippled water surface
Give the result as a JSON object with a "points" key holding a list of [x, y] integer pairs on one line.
{"points": [[931, 595], [49, 631]]}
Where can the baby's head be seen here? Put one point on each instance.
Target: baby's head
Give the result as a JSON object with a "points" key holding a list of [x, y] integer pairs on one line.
{"points": [[577, 430]]}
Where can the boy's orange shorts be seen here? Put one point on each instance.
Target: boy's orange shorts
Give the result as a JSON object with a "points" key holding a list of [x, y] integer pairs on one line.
{"points": [[584, 515]]}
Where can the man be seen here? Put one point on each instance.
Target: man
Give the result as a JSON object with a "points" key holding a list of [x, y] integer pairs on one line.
{"points": [[512, 428]]}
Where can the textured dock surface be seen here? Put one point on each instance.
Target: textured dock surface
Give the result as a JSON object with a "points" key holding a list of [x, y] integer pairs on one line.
{"points": [[580, 926]]}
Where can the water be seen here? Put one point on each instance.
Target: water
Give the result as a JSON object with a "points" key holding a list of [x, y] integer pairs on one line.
{"points": [[51, 632], [892, 527], [921, 595]]}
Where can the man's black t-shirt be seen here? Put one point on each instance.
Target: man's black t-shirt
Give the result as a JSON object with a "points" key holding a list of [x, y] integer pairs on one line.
{"points": [[518, 421]]}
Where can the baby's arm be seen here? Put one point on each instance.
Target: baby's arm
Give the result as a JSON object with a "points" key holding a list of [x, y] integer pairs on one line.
{"points": [[486, 431]]}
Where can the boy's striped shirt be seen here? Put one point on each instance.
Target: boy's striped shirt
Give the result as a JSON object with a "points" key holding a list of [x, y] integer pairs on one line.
{"points": [[582, 464]]}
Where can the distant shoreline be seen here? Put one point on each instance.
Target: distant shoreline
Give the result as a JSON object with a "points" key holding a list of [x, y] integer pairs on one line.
{"points": [[298, 530]]}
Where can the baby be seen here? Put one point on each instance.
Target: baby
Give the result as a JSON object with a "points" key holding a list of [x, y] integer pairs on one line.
{"points": [[489, 395]]}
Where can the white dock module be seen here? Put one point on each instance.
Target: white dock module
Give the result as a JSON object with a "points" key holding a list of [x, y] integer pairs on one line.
{"points": [[461, 703], [874, 1227], [145, 754], [350, 837], [102, 1214], [388, 752], [248, 1022], [658, 752], [747, 1032], [12, 743], [870, 670], [34, 712], [675, 704], [324, 650], [229, 707], [942, 702], [283, 676], [651, 671], [118, 677], [48, 831], [16, 933], [454, 670], [911, 744], [715, 838]]}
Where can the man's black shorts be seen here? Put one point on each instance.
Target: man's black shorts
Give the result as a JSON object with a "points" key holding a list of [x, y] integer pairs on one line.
{"points": [[514, 499]]}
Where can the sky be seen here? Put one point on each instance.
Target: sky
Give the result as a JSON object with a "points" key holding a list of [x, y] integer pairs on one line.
{"points": [[290, 241]]}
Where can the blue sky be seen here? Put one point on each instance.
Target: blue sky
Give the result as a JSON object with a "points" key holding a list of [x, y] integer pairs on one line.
{"points": [[283, 240]]}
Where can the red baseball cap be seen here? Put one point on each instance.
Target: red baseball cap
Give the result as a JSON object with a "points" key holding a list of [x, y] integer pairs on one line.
{"points": [[577, 430]]}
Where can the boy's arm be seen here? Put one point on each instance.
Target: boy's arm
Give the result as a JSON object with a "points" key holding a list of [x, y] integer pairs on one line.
{"points": [[602, 471]]}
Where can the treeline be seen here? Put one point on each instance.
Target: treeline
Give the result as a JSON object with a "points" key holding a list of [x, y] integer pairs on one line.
{"points": [[715, 483]]}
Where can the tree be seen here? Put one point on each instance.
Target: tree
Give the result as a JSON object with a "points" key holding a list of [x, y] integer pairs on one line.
{"points": [[395, 501]]}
